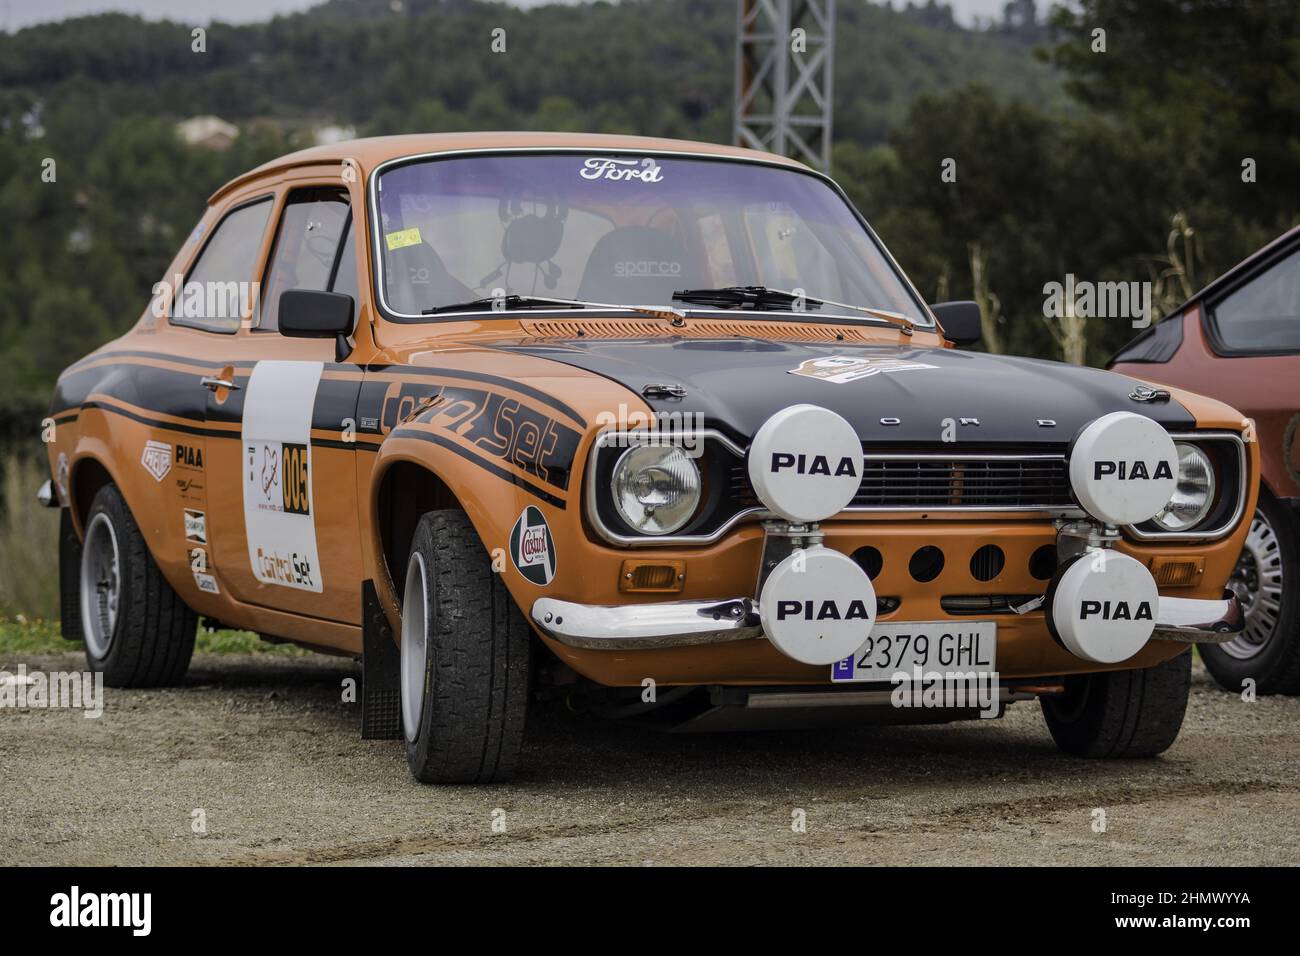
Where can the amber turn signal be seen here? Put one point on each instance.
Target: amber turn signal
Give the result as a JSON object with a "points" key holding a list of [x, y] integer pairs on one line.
{"points": [[651, 577], [1178, 571]]}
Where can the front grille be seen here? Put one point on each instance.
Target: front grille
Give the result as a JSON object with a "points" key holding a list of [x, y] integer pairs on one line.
{"points": [[993, 483], [940, 482]]}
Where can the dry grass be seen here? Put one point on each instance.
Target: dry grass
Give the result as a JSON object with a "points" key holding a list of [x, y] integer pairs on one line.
{"points": [[29, 569]]}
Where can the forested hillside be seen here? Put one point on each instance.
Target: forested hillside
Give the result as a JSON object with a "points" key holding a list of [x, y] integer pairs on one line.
{"points": [[1066, 159]]}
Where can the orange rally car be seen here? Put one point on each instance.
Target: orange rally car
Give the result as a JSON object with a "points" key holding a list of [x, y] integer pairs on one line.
{"points": [[656, 425]]}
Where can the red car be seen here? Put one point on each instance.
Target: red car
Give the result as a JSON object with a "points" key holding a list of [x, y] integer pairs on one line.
{"points": [[1238, 340]]}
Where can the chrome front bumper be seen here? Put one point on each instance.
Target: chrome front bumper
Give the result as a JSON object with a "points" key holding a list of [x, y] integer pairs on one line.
{"points": [[686, 623]]}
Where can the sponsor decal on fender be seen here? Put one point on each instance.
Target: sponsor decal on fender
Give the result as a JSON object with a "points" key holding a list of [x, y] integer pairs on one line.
{"points": [[532, 548], [188, 456], [157, 459], [497, 427], [842, 369], [206, 582], [196, 526]]}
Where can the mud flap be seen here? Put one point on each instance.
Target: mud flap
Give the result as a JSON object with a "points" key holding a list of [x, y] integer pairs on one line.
{"points": [[381, 672], [69, 578]]}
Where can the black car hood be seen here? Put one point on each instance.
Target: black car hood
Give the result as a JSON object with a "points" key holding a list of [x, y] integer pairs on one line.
{"points": [[737, 383]]}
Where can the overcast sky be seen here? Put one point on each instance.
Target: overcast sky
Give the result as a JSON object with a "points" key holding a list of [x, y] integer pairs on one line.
{"points": [[15, 14]]}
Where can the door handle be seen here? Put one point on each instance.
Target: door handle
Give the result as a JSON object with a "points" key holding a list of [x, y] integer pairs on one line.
{"points": [[214, 382]]}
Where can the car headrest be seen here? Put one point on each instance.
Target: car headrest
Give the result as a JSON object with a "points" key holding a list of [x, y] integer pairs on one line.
{"points": [[634, 265], [417, 280]]}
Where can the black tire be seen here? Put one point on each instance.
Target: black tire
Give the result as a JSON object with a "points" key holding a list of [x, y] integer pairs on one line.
{"points": [[1267, 579], [151, 638], [473, 695], [1135, 713]]}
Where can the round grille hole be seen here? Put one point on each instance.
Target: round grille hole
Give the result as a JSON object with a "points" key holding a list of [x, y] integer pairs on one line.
{"points": [[869, 559], [986, 563], [1042, 563], [926, 563]]}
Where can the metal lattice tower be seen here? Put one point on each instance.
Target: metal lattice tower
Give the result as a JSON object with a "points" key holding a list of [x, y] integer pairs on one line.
{"points": [[783, 79]]}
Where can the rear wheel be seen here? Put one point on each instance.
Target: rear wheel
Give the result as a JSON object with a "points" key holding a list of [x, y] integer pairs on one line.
{"points": [[1267, 582], [137, 630], [1134, 713], [464, 658]]}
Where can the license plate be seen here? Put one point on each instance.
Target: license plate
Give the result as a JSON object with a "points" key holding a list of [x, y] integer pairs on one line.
{"points": [[934, 646]]}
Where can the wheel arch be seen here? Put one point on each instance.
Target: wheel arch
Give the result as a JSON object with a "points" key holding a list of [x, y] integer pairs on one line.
{"points": [[86, 476], [405, 490]]}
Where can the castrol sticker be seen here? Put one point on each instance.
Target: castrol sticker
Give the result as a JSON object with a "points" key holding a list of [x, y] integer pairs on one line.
{"points": [[1103, 606], [1123, 468], [532, 548], [805, 463], [817, 606]]}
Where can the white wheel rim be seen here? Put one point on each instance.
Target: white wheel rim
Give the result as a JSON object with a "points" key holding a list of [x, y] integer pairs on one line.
{"points": [[415, 621], [101, 586], [1257, 582]]}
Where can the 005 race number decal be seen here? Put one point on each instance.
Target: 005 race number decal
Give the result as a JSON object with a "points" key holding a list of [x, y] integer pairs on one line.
{"points": [[277, 466]]}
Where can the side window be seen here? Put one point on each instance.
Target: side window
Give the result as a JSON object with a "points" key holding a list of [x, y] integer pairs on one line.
{"points": [[307, 247], [218, 289], [1264, 314]]}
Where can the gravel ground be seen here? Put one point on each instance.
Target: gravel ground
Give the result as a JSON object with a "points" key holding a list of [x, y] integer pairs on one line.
{"points": [[273, 758]]}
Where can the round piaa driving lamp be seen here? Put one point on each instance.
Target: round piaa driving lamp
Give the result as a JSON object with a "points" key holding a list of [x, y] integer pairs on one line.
{"points": [[805, 463], [1194, 493], [656, 488], [1123, 468]]}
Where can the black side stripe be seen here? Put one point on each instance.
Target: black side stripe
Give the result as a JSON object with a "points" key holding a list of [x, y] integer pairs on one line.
{"points": [[483, 377], [158, 422], [483, 463], [218, 433]]}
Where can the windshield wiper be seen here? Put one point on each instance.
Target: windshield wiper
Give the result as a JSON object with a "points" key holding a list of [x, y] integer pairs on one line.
{"points": [[504, 303], [761, 297], [514, 301]]}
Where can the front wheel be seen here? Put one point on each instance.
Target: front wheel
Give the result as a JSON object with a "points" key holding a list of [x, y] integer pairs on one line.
{"points": [[1265, 580], [464, 658], [1134, 713]]}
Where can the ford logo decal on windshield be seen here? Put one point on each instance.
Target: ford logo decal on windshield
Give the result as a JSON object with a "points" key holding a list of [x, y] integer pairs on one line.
{"points": [[646, 170]]}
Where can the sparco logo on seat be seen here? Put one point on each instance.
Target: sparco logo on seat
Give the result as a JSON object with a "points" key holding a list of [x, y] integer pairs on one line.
{"points": [[811, 464]]}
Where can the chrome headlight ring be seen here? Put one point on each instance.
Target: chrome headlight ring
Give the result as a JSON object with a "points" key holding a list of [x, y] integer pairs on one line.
{"points": [[656, 487]]}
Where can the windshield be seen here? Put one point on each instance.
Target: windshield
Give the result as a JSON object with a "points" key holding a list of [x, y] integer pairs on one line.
{"points": [[621, 229]]}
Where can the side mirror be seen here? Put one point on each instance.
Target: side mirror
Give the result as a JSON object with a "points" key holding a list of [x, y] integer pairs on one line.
{"points": [[311, 314], [960, 321]]}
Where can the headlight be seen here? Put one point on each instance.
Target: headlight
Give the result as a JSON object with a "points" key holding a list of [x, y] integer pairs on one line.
{"points": [[1194, 494], [656, 488]]}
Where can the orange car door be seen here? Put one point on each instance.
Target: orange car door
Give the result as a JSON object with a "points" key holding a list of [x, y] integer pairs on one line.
{"points": [[283, 519]]}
